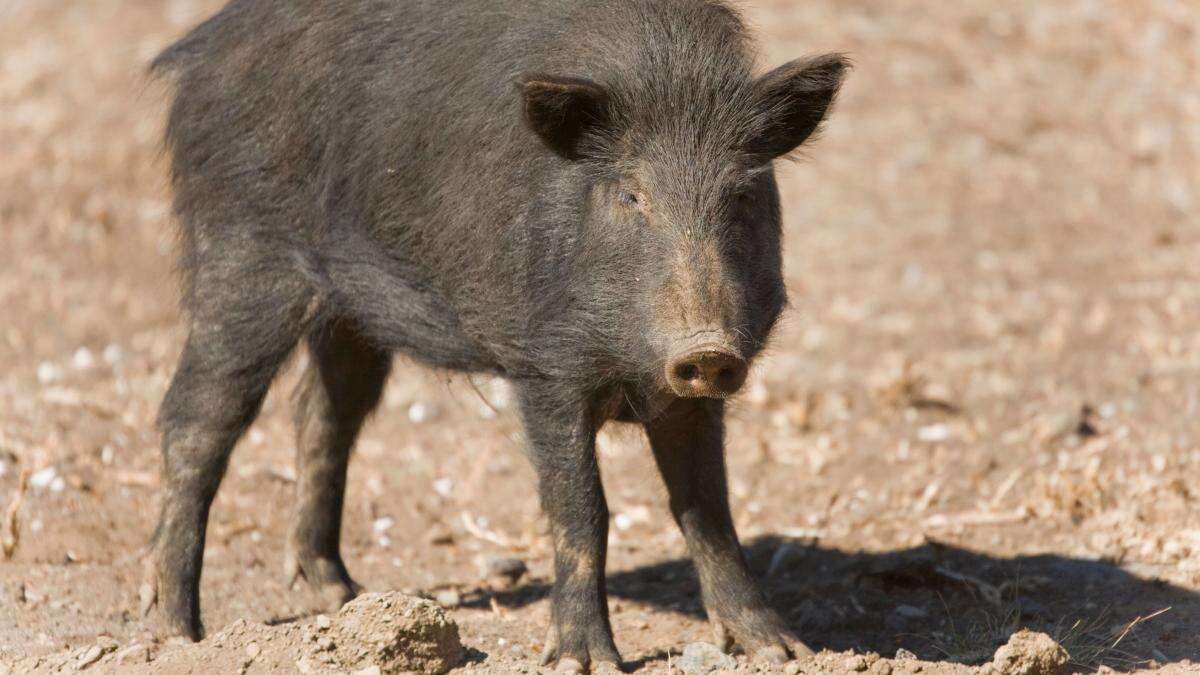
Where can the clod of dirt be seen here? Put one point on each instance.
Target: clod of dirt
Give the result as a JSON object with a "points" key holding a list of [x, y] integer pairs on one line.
{"points": [[397, 633], [1030, 653], [700, 658], [375, 633]]}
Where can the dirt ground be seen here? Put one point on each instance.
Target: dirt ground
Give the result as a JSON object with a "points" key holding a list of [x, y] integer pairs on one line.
{"points": [[980, 413]]}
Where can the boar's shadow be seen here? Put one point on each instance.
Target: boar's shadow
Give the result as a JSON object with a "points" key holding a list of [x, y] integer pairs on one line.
{"points": [[937, 601]]}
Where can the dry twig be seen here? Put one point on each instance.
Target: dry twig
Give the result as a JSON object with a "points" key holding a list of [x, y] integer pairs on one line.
{"points": [[475, 530], [10, 534]]}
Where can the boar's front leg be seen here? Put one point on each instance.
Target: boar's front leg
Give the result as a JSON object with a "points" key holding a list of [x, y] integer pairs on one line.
{"points": [[562, 433], [687, 440]]}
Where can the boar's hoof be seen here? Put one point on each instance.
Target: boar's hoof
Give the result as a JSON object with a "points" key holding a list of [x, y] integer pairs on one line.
{"points": [[722, 638], [773, 648], [171, 620], [569, 665], [326, 576], [600, 654], [773, 654]]}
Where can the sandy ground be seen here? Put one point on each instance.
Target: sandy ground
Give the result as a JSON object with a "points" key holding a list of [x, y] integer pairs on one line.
{"points": [[980, 413]]}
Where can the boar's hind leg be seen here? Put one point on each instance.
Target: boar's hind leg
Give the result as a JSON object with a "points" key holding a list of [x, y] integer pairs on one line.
{"points": [[562, 437], [342, 385], [687, 441], [241, 330]]}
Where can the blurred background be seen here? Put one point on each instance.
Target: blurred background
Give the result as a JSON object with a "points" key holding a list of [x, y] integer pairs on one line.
{"points": [[980, 413]]}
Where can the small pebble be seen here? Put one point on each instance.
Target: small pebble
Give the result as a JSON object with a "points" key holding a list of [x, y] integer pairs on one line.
{"points": [[934, 433], [505, 569], [47, 372], [134, 654], [323, 622], [911, 612], [444, 486], [112, 354], [419, 412], [83, 359], [700, 658], [448, 598], [43, 477]]}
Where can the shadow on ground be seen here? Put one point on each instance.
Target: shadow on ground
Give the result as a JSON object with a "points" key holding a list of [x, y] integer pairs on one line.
{"points": [[937, 601]]}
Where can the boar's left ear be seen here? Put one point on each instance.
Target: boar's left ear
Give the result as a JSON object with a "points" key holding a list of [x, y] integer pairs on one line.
{"points": [[793, 100], [564, 111]]}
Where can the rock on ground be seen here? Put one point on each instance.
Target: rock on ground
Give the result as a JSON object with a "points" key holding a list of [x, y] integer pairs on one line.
{"points": [[397, 633], [1030, 653], [700, 658]]}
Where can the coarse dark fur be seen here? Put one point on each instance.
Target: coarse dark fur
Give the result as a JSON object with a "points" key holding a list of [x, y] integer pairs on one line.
{"points": [[576, 195]]}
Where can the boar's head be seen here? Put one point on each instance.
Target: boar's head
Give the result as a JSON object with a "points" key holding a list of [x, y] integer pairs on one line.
{"points": [[679, 224]]}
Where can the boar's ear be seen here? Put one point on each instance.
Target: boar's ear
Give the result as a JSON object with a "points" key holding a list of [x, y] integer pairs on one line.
{"points": [[792, 102], [563, 111]]}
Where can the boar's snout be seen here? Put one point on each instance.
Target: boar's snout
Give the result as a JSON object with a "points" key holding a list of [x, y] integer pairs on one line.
{"points": [[710, 370]]}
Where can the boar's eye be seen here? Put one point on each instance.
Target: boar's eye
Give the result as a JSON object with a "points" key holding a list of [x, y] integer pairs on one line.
{"points": [[628, 198]]}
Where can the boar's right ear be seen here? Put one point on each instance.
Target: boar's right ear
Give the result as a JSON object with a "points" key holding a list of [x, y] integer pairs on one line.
{"points": [[793, 100], [563, 111]]}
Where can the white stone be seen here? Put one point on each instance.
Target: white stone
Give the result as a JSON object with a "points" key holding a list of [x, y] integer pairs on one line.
{"points": [[934, 433], [112, 354], [43, 477], [419, 412], [47, 372], [444, 486], [83, 359]]}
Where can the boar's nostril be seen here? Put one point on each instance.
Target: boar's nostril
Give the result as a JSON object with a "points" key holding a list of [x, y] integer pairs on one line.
{"points": [[726, 376], [712, 372], [687, 372]]}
